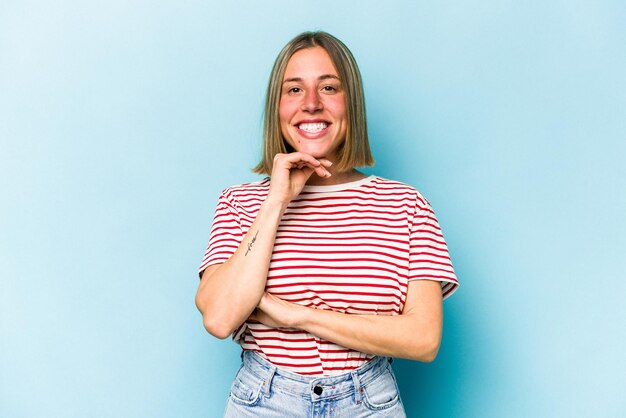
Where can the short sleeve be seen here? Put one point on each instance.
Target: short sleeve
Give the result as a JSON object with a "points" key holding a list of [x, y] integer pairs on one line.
{"points": [[226, 234], [428, 256]]}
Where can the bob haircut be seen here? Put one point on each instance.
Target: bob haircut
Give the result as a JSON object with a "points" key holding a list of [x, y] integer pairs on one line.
{"points": [[354, 151]]}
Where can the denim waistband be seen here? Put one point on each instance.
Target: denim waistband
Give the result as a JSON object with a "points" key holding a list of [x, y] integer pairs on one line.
{"points": [[316, 388]]}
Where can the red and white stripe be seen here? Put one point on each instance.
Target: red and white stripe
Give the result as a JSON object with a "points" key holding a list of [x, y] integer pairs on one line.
{"points": [[350, 248]]}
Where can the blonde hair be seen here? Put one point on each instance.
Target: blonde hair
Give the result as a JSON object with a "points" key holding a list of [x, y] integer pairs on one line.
{"points": [[354, 151]]}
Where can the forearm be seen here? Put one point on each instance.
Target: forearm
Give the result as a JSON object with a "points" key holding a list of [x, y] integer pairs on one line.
{"points": [[228, 295], [404, 336]]}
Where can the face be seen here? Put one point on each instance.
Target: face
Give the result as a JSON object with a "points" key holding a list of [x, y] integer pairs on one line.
{"points": [[312, 105]]}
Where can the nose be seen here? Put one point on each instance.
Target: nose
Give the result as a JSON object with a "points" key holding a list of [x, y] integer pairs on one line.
{"points": [[312, 102]]}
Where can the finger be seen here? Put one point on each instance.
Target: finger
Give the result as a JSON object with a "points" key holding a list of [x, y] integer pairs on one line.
{"points": [[320, 170], [307, 171], [300, 159], [325, 162], [295, 157]]}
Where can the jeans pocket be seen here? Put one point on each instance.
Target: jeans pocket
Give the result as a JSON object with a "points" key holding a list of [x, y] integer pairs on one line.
{"points": [[382, 392], [246, 388]]}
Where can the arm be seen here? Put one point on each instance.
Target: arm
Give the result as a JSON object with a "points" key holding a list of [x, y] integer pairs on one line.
{"points": [[415, 334], [229, 292]]}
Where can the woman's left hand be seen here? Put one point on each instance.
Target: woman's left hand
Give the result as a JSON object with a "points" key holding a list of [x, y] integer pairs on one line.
{"points": [[275, 312]]}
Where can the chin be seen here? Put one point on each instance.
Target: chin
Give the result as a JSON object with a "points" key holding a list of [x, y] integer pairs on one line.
{"points": [[315, 153], [307, 149]]}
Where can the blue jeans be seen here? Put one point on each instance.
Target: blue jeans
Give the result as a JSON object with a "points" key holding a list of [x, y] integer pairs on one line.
{"points": [[261, 390]]}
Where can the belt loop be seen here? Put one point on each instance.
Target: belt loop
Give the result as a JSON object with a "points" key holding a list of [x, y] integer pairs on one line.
{"points": [[268, 381], [357, 387]]}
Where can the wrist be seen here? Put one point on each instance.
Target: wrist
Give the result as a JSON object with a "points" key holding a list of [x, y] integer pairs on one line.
{"points": [[302, 317], [274, 204]]}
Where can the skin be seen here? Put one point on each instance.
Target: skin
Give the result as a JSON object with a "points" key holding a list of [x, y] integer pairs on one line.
{"points": [[234, 291], [312, 92]]}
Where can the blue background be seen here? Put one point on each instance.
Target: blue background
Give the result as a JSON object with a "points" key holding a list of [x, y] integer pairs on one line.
{"points": [[121, 121]]}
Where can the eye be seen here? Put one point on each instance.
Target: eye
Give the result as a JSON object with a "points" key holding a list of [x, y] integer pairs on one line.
{"points": [[329, 88], [294, 90]]}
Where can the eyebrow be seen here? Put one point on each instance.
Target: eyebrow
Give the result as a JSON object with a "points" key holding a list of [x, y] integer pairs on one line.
{"points": [[322, 77]]}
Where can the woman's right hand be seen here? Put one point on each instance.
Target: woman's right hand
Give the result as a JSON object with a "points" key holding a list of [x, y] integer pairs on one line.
{"points": [[291, 172]]}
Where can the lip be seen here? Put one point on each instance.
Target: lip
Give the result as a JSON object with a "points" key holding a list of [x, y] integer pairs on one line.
{"points": [[311, 121], [312, 135]]}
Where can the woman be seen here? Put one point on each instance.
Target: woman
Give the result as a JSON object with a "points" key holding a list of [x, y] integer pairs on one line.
{"points": [[321, 273]]}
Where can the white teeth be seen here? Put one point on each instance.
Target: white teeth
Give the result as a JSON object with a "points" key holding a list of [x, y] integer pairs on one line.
{"points": [[313, 127]]}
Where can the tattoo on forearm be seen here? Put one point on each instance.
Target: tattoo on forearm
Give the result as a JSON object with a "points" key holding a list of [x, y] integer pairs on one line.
{"points": [[251, 242]]}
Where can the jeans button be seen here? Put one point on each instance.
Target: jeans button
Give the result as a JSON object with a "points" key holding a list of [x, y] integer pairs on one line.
{"points": [[318, 390]]}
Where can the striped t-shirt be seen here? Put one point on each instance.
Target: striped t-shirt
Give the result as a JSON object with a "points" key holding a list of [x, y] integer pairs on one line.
{"points": [[350, 248]]}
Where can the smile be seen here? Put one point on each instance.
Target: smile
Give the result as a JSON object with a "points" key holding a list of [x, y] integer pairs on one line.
{"points": [[312, 127]]}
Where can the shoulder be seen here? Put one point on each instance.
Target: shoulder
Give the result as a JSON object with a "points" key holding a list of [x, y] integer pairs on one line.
{"points": [[246, 190], [401, 189]]}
